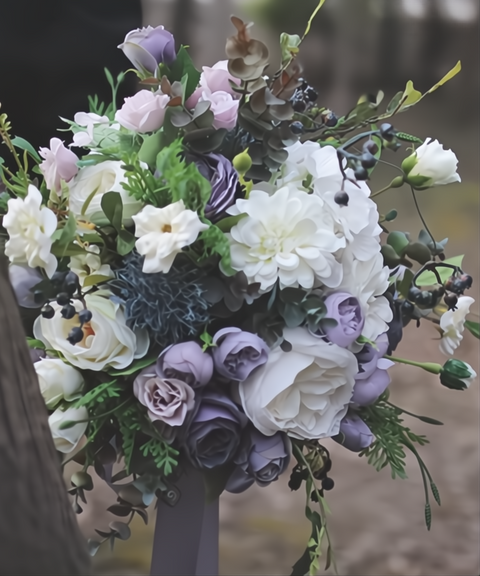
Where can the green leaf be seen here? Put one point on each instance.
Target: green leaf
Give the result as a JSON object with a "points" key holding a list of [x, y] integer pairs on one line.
{"points": [[404, 285], [150, 148], [125, 242], [21, 143], [183, 65], [66, 236], [214, 241], [473, 327], [112, 207], [94, 279], [226, 224], [429, 279], [398, 241], [33, 343], [136, 366]]}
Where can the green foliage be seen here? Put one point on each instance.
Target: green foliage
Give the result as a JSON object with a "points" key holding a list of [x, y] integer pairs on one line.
{"points": [[183, 70], [429, 278], [473, 327], [100, 394], [164, 456], [144, 186], [212, 242], [183, 179], [129, 423]]}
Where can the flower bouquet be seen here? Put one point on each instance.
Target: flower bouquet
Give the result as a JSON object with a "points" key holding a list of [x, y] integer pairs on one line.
{"points": [[213, 292]]}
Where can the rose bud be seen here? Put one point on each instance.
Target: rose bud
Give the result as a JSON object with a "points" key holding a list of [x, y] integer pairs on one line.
{"points": [[187, 362], [345, 309], [355, 435], [148, 47]]}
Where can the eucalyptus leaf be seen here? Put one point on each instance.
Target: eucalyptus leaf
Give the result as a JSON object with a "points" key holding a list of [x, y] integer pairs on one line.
{"points": [[125, 242], [112, 207], [122, 530], [398, 241], [183, 65], [150, 147], [94, 279]]}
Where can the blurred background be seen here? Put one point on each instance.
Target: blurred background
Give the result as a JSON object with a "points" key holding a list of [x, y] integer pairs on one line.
{"points": [[358, 46], [355, 46]]}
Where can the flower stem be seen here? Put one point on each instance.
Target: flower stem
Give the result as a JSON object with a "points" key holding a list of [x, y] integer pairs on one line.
{"points": [[432, 367], [421, 216], [381, 191]]}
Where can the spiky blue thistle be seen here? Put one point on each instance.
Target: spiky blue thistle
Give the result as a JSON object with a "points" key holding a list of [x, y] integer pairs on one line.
{"points": [[170, 306]]}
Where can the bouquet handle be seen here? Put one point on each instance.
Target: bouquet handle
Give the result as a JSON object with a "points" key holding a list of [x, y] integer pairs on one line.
{"points": [[186, 535]]}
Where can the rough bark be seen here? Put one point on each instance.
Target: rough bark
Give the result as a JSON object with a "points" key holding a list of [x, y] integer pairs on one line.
{"points": [[39, 534]]}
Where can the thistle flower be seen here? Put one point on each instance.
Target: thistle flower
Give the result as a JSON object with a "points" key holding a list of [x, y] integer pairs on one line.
{"points": [[170, 306]]}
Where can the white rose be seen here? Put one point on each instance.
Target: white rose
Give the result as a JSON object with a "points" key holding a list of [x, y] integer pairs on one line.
{"points": [[452, 324], [89, 186], [30, 227], [163, 232], [304, 392], [431, 165], [66, 440], [58, 381], [107, 342]]}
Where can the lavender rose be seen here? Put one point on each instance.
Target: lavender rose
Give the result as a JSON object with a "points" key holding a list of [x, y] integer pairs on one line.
{"points": [[355, 435], [148, 47], [346, 310], [167, 399], [223, 177], [238, 353], [187, 362], [261, 459], [214, 434], [23, 279], [372, 378]]}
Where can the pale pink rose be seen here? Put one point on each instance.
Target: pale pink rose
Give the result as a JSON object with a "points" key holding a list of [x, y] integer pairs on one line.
{"points": [[214, 79], [59, 164], [143, 112], [224, 108]]}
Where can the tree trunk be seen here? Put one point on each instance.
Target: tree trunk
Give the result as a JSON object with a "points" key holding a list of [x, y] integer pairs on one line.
{"points": [[39, 534]]}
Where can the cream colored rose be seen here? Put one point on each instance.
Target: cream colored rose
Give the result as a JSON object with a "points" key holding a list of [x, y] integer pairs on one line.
{"points": [[89, 186], [304, 392], [107, 342], [66, 440], [58, 381]]}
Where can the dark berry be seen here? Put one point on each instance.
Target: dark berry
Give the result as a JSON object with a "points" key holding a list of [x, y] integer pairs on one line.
{"points": [[75, 335], [68, 311], [296, 127], [38, 297], [330, 120], [47, 311], [299, 105], [327, 484], [63, 298], [361, 173], [310, 93], [58, 278], [341, 198], [313, 496], [71, 282], [296, 478], [451, 301], [387, 131], [370, 146], [84, 316], [368, 160]]}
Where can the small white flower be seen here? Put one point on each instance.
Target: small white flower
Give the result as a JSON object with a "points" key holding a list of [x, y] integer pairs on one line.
{"points": [[163, 232], [367, 281], [58, 381], [108, 341], [89, 186], [304, 392], [66, 440], [85, 265], [89, 120], [431, 165], [452, 324], [30, 227], [287, 236]]}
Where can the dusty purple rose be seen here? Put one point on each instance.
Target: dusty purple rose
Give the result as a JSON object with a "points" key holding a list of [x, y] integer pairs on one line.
{"points": [[345, 309], [36, 354], [148, 47], [372, 378], [238, 353], [187, 362], [23, 279], [355, 435], [167, 399], [261, 459], [214, 434], [223, 177]]}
